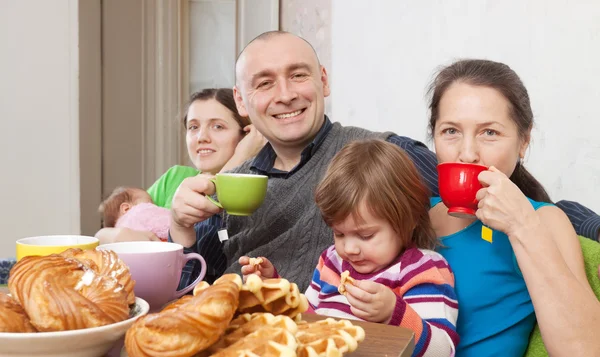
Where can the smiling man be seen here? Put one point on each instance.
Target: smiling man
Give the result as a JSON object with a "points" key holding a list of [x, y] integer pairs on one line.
{"points": [[281, 85]]}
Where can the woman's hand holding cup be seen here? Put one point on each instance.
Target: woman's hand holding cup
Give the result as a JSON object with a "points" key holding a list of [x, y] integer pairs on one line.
{"points": [[502, 205]]}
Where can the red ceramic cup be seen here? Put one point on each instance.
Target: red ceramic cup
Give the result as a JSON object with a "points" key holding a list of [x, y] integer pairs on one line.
{"points": [[458, 185]]}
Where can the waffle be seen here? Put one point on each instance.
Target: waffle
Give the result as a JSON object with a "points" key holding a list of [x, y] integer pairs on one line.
{"points": [[248, 336], [245, 324], [345, 279], [256, 262], [328, 338], [265, 342], [277, 296]]}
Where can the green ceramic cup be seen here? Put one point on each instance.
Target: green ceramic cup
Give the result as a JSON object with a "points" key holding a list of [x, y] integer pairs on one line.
{"points": [[239, 194]]}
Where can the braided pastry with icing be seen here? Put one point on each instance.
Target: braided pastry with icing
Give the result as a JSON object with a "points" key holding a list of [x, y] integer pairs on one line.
{"points": [[60, 294], [105, 262]]}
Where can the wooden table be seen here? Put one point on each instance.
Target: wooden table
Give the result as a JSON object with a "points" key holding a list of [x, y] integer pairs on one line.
{"points": [[380, 340]]}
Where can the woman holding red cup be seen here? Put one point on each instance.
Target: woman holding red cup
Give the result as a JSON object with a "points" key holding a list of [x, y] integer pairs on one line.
{"points": [[515, 255]]}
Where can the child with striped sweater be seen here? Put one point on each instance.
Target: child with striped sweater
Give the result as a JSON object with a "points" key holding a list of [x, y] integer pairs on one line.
{"points": [[373, 198]]}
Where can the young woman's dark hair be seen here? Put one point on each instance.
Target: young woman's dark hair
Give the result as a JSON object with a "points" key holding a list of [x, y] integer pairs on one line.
{"points": [[221, 95]]}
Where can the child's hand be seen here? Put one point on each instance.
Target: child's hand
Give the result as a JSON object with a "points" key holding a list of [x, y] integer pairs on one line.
{"points": [[371, 301], [260, 266]]}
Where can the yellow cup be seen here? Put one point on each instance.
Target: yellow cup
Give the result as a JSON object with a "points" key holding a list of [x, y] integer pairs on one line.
{"points": [[46, 245]]}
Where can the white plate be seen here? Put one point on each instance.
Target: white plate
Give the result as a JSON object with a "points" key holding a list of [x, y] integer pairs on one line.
{"points": [[90, 342]]}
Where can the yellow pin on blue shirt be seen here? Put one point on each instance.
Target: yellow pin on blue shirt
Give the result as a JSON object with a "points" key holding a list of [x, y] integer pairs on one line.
{"points": [[486, 234]]}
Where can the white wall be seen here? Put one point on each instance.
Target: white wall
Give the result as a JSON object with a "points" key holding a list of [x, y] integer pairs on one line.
{"points": [[311, 20], [385, 52], [39, 149]]}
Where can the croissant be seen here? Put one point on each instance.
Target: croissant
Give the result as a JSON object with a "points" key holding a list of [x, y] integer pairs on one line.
{"points": [[189, 328], [62, 294], [177, 303], [105, 262], [12, 316]]}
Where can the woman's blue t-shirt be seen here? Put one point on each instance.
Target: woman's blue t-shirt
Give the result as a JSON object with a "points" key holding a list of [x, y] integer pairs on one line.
{"points": [[495, 316]]}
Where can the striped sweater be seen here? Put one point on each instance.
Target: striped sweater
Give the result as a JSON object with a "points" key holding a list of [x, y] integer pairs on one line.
{"points": [[424, 286]]}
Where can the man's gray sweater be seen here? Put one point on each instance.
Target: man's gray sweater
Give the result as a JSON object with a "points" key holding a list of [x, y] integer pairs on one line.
{"points": [[288, 228]]}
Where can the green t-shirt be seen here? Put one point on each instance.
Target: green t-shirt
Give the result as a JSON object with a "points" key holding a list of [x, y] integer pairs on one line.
{"points": [[163, 190]]}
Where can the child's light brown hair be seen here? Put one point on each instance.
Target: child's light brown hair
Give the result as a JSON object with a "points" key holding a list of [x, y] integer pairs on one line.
{"points": [[385, 178], [110, 207]]}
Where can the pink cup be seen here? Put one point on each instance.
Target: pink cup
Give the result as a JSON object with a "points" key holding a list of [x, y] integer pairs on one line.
{"points": [[156, 268]]}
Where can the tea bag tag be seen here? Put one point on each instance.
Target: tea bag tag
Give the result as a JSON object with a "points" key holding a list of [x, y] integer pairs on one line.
{"points": [[223, 236]]}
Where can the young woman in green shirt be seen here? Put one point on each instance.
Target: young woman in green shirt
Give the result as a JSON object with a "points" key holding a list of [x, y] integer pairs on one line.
{"points": [[217, 139]]}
